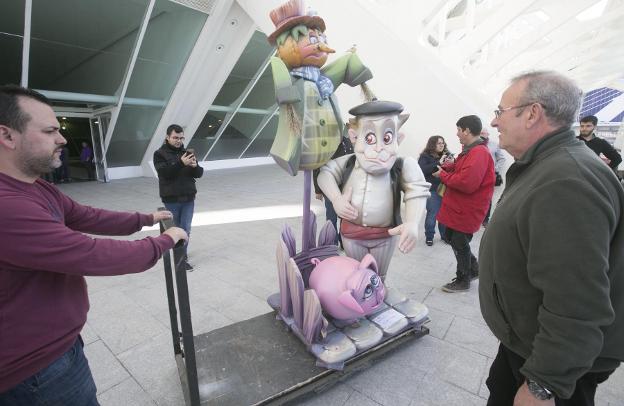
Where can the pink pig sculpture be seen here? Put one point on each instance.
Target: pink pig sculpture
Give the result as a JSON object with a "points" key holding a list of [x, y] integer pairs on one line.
{"points": [[346, 288]]}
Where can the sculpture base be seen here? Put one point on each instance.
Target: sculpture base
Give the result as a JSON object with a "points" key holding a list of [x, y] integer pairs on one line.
{"points": [[346, 339], [259, 362]]}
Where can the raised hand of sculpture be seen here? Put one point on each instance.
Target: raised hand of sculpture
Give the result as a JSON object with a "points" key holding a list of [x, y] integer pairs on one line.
{"points": [[347, 289], [370, 191]]}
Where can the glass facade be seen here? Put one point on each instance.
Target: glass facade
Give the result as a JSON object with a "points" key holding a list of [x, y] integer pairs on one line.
{"points": [[88, 55], [11, 39], [81, 55], [236, 124], [261, 146], [169, 39]]}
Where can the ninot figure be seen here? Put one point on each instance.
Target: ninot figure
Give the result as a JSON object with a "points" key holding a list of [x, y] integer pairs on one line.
{"points": [[310, 123], [365, 187], [347, 289]]}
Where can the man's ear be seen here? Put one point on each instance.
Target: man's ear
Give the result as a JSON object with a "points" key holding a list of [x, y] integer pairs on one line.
{"points": [[7, 137], [536, 112], [352, 135]]}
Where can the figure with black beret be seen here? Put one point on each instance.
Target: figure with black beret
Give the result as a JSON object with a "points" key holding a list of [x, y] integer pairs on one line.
{"points": [[366, 187]]}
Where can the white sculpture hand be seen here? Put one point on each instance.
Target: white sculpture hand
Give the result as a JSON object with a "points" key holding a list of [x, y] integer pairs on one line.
{"points": [[409, 236], [343, 206]]}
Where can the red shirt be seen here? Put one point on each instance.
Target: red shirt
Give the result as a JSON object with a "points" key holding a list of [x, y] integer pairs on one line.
{"points": [[44, 255], [469, 188]]}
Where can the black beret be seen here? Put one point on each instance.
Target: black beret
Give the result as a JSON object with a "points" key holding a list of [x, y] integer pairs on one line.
{"points": [[376, 107]]}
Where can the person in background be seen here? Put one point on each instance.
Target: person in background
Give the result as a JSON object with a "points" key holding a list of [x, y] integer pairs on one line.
{"points": [[86, 158], [499, 164], [344, 148], [61, 174], [177, 170], [469, 184], [43, 292], [435, 153], [602, 148], [618, 144]]}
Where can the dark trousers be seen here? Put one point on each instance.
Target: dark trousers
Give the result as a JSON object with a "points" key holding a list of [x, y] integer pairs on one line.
{"points": [[505, 379], [90, 168], [460, 243]]}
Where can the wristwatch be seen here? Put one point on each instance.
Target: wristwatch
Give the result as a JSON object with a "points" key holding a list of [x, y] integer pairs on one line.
{"points": [[538, 390]]}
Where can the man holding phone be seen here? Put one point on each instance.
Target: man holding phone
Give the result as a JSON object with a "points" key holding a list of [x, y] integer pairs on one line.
{"points": [[177, 170]]}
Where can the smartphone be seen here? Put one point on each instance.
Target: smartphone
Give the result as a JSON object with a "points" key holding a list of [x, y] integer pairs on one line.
{"points": [[190, 151]]}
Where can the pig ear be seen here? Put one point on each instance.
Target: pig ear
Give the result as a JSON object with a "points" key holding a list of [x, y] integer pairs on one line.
{"points": [[368, 262], [347, 300]]}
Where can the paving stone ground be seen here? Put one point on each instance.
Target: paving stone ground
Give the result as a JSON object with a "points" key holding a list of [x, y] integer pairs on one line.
{"points": [[239, 215]]}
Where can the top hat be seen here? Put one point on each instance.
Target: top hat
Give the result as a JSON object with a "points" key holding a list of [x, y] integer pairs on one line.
{"points": [[290, 14]]}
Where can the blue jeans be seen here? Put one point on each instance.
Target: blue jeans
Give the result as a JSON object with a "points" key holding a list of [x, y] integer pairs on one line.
{"points": [[433, 206], [65, 382], [182, 216]]}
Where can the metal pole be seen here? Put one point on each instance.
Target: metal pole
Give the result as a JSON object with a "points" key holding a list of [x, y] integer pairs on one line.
{"points": [[26, 42], [173, 311], [187, 351], [186, 325], [307, 182]]}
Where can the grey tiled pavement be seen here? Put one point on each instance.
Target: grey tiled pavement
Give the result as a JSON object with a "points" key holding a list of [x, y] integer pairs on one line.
{"points": [[127, 335]]}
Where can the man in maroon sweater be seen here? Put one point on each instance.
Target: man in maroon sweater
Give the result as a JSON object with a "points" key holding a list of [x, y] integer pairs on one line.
{"points": [[469, 187], [45, 256]]}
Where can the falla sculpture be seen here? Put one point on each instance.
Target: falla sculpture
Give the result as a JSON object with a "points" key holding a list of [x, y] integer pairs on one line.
{"points": [[336, 305], [346, 288]]}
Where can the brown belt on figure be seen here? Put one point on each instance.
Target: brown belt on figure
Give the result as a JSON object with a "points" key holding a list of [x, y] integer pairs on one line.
{"points": [[358, 232]]}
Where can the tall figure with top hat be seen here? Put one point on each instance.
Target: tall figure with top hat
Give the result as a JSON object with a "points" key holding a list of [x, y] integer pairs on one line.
{"points": [[310, 125]]}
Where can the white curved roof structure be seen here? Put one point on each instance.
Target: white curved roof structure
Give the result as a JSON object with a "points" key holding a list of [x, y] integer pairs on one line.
{"points": [[136, 67], [448, 58]]}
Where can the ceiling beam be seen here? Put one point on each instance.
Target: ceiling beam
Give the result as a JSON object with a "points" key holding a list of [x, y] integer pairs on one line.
{"points": [[487, 27], [564, 14]]}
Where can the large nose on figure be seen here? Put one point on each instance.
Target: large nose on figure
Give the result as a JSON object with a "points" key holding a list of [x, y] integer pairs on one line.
{"points": [[323, 47]]}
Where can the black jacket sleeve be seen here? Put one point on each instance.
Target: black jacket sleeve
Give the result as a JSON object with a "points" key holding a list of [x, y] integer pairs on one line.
{"points": [[198, 171], [611, 154]]}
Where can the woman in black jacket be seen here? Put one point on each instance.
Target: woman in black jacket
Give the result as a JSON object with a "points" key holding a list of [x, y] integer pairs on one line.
{"points": [[434, 154]]}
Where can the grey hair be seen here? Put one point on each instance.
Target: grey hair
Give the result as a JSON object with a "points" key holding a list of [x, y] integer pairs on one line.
{"points": [[559, 96]]}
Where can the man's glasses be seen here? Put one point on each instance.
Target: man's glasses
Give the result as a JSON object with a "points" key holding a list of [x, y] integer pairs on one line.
{"points": [[498, 112], [177, 138]]}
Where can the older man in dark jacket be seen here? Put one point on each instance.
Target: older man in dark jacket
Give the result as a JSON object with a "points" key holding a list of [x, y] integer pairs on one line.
{"points": [[177, 170], [552, 265]]}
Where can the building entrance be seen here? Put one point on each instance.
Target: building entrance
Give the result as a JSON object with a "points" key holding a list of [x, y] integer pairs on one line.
{"points": [[83, 158]]}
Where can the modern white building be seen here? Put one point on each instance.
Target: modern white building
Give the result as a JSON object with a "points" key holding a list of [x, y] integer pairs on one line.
{"points": [[126, 69]]}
